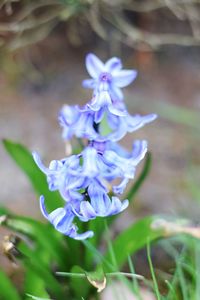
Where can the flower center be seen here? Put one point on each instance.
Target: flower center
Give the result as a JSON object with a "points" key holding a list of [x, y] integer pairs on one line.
{"points": [[105, 77]]}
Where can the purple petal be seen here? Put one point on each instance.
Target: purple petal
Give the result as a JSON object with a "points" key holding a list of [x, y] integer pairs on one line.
{"points": [[61, 219], [137, 121], [55, 165], [121, 151], [113, 64], [68, 115], [39, 163], [96, 197], [89, 83], [43, 208], [83, 236], [115, 111], [121, 166], [119, 189], [94, 65], [90, 162], [117, 206], [57, 216], [87, 210], [139, 151], [116, 92], [123, 78], [73, 182], [99, 115]]}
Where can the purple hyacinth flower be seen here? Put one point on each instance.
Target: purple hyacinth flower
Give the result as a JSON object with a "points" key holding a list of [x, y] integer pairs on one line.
{"points": [[123, 164], [122, 125], [107, 77], [62, 219], [76, 122], [63, 175], [102, 103], [100, 205]]}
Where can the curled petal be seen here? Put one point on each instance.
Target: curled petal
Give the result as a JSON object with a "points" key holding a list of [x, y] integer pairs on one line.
{"points": [[39, 163], [123, 78], [137, 121], [58, 217], [82, 236], [94, 65], [117, 206], [43, 208], [119, 189], [139, 151], [128, 123], [61, 219], [104, 206]]}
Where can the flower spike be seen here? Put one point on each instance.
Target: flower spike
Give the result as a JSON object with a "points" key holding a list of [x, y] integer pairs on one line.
{"points": [[84, 180]]}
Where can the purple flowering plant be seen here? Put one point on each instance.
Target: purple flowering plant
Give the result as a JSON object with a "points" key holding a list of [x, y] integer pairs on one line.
{"points": [[80, 190], [87, 180]]}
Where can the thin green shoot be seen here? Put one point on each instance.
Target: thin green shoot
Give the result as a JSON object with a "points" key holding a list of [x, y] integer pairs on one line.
{"points": [[136, 288], [111, 274], [181, 278], [197, 265], [153, 273], [37, 298], [172, 291], [110, 247]]}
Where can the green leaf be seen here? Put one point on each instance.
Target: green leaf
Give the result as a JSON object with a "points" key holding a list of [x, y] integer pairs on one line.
{"points": [[35, 285], [24, 160], [138, 183], [45, 235], [7, 289], [133, 239]]}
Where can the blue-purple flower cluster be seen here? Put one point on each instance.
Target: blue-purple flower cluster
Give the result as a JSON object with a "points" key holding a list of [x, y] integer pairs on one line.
{"points": [[103, 167]]}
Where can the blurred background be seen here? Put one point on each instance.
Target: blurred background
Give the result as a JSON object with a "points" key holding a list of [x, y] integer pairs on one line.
{"points": [[43, 45]]}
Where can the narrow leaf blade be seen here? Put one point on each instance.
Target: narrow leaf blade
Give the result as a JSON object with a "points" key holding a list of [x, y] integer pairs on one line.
{"points": [[7, 289]]}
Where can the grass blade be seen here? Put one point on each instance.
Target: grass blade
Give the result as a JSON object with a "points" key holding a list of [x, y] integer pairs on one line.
{"points": [[153, 273]]}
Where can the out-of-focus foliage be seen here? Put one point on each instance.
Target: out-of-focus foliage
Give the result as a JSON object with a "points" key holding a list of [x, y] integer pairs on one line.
{"points": [[130, 22]]}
